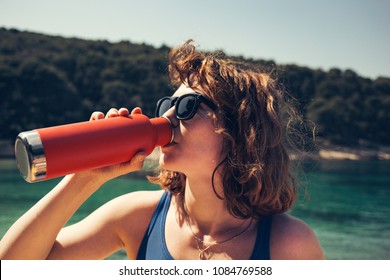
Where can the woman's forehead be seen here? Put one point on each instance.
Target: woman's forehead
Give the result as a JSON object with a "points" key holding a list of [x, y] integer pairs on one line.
{"points": [[184, 89]]}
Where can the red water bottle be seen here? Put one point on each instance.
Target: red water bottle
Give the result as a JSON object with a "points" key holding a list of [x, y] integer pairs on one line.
{"points": [[56, 151]]}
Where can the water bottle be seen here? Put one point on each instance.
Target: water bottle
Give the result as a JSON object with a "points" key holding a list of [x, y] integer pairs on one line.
{"points": [[56, 151]]}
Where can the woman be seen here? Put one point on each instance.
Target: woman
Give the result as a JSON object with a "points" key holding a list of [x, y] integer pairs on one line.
{"points": [[226, 180]]}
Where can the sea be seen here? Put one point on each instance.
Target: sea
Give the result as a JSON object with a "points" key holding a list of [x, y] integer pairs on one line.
{"points": [[346, 203]]}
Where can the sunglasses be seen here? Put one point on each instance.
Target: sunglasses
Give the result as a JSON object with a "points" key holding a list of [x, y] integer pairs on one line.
{"points": [[186, 105]]}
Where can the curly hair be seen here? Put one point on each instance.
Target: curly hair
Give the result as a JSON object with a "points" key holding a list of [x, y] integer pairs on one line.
{"points": [[252, 116]]}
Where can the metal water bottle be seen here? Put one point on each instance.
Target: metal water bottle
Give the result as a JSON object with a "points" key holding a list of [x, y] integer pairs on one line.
{"points": [[56, 151]]}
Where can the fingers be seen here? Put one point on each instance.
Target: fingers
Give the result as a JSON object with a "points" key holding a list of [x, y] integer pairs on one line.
{"points": [[96, 116], [113, 112], [136, 110], [123, 112]]}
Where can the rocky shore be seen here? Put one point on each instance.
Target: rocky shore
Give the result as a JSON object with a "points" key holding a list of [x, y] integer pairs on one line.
{"points": [[346, 153], [354, 154], [351, 154]]}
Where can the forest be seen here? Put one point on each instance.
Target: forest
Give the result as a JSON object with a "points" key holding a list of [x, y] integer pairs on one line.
{"points": [[50, 80]]}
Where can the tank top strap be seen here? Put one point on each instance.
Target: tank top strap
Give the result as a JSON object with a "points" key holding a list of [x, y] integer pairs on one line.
{"points": [[261, 251], [153, 246]]}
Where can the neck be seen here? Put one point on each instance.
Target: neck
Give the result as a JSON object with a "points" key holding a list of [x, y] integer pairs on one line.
{"points": [[205, 212]]}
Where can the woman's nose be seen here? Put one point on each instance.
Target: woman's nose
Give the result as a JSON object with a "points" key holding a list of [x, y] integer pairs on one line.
{"points": [[171, 115]]}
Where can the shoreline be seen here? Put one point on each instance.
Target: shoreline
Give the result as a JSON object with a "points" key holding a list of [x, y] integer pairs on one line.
{"points": [[354, 154], [361, 153]]}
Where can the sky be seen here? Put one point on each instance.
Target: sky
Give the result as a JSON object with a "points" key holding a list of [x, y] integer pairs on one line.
{"points": [[344, 34]]}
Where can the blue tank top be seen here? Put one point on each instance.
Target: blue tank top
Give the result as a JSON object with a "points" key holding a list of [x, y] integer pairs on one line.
{"points": [[153, 246]]}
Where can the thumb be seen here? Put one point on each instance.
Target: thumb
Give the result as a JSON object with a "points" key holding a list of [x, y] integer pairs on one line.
{"points": [[135, 164]]}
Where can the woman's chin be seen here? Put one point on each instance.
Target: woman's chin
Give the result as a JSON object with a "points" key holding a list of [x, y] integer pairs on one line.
{"points": [[169, 163], [165, 161]]}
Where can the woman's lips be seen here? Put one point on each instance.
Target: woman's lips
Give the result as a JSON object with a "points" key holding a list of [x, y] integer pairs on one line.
{"points": [[173, 143]]}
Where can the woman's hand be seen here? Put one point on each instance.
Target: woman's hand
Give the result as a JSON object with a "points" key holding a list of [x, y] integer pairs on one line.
{"points": [[38, 233], [107, 173]]}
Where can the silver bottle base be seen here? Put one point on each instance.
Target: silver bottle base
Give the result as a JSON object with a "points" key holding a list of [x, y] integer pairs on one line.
{"points": [[30, 156]]}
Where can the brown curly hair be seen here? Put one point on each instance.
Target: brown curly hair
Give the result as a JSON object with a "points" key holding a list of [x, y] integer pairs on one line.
{"points": [[252, 116]]}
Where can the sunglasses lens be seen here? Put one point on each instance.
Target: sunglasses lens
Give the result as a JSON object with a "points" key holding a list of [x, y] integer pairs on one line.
{"points": [[164, 106], [185, 107]]}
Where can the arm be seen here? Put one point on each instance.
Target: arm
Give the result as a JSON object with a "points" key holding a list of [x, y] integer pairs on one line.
{"points": [[121, 222], [34, 234]]}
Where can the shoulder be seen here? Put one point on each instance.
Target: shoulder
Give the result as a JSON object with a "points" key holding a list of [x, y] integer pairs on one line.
{"points": [[131, 213], [139, 200], [291, 238], [129, 203]]}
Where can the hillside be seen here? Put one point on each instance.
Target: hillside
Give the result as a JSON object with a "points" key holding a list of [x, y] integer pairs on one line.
{"points": [[50, 80]]}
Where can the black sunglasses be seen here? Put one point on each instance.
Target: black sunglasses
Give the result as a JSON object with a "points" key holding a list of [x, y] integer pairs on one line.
{"points": [[186, 105]]}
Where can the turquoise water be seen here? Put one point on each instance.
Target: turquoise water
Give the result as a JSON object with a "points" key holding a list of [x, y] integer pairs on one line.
{"points": [[349, 208], [347, 205]]}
